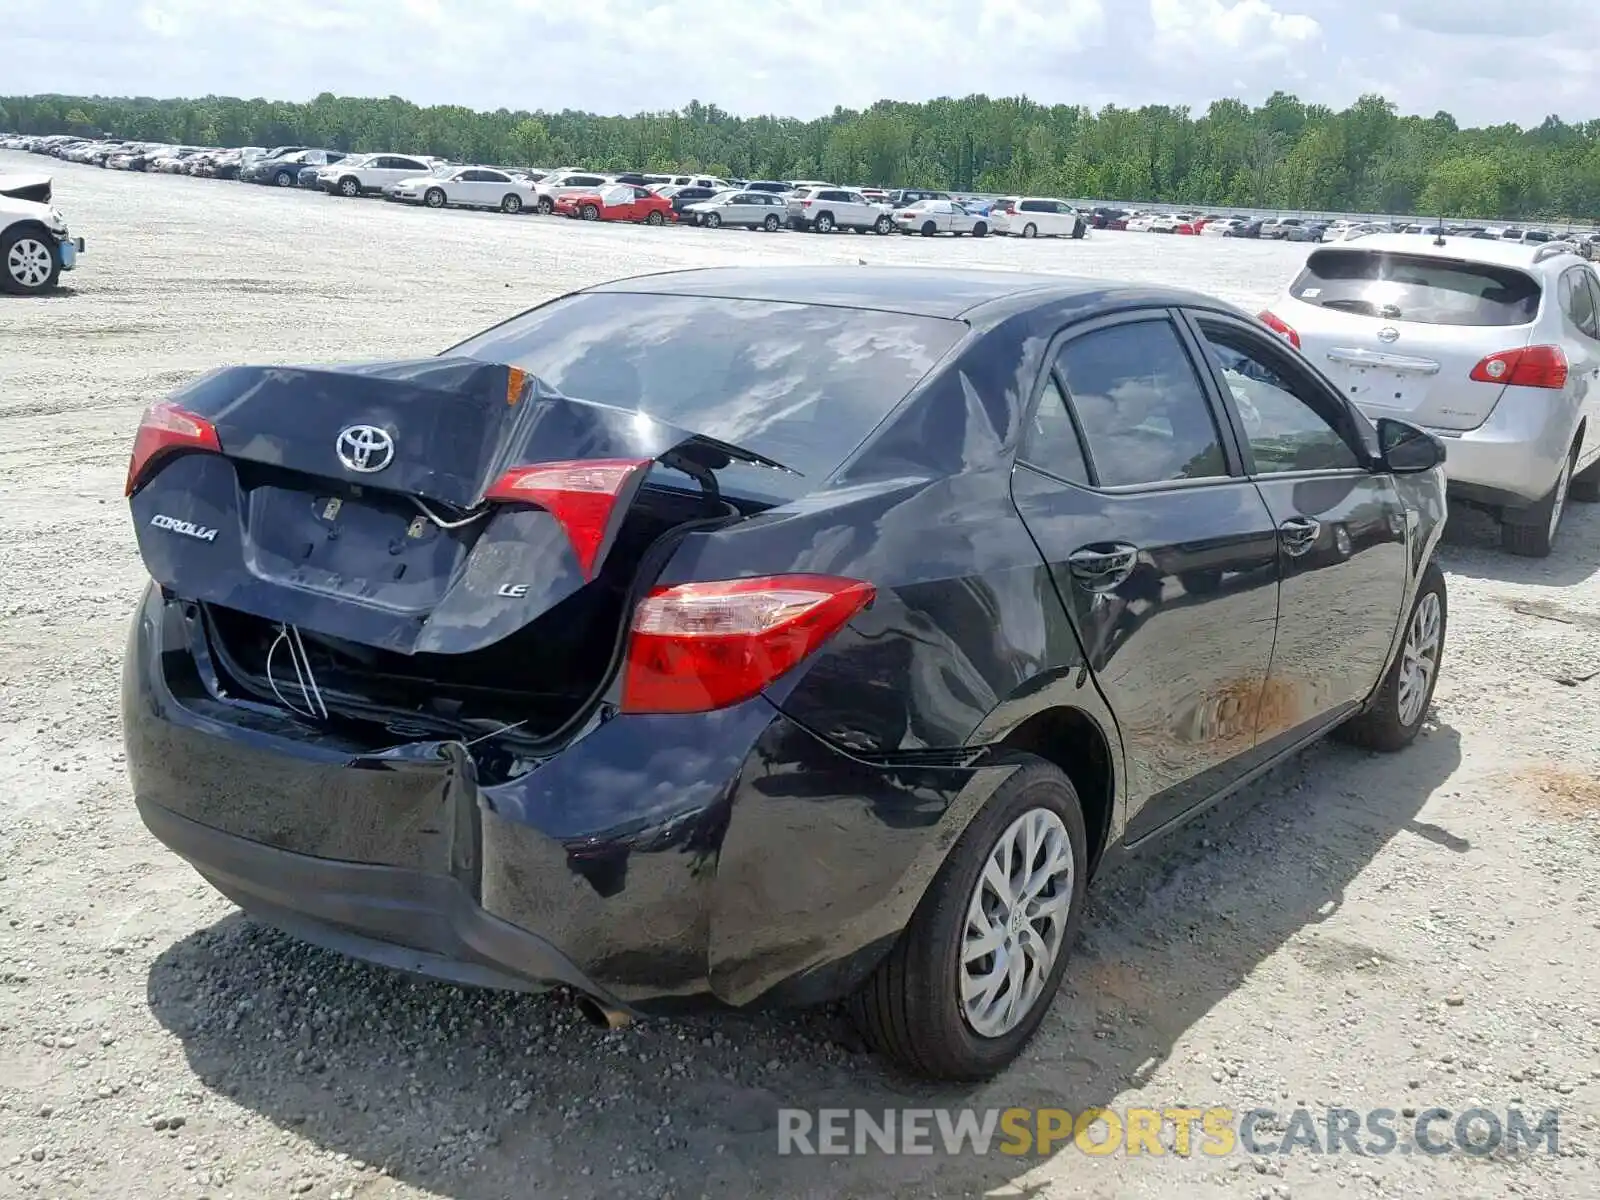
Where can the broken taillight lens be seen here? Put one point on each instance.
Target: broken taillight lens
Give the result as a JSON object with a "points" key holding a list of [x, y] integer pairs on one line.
{"points": [[695, 647], [163, 429], [581, 495], [1526, 366]]}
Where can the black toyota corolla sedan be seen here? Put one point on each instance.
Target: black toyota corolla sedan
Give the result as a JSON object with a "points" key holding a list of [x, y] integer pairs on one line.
{"points": [[763, 636]]}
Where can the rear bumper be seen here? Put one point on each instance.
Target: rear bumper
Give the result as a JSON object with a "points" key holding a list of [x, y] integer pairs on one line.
{"points": [[1513, 458], [655, 863]]}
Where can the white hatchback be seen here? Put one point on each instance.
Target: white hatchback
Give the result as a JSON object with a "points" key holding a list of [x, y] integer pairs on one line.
{"points": [[1493, 346]]}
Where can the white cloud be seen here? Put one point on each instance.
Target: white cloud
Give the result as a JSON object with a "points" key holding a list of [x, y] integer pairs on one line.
{"points": [[1487, 61]]}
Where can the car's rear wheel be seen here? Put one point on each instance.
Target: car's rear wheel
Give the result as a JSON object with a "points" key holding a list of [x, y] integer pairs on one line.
{"points": [[883, 225], [546, 205], [30, 263], [770, 224], [1030, 230], [1531, 533], [349, 186], [283, 179], [434, 198], [972, 976], [929, 229], [511, 204], [1394, 717], [823, 224], [655, 218], [980, 230]]}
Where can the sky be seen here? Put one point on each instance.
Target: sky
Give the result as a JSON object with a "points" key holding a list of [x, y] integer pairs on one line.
{"points": [[1485, 61]]}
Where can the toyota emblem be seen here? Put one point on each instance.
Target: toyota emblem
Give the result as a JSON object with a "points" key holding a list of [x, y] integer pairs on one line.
{"points": [[365, 448], [1388, 333]]}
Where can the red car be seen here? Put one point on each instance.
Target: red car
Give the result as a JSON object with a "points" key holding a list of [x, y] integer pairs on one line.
{"points": [[619, 202]]}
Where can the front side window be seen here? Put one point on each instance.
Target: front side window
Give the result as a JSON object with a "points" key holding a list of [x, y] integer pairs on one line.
{"points": [[1288, 424], [1143, 411]]}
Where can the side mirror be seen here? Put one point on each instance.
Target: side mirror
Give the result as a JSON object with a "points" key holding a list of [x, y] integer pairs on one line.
{"points": [[1406, 449]]}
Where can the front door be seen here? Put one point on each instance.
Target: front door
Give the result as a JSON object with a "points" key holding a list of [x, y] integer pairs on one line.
{"points": [[1343, 531], [1163, 554]]}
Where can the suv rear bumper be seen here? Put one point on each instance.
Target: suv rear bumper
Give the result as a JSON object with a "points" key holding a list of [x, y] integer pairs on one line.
{"points": [[1513, 458]]}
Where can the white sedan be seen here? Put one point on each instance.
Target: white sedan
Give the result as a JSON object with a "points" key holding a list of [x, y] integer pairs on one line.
{"points": [[930, 217], [467, 187]]}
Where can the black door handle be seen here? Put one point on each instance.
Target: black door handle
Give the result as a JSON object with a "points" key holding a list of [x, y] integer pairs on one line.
{"points": [[1100, 568], [1299, 534]]}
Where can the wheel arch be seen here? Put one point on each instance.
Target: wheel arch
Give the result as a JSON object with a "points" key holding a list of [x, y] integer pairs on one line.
{"points": [[28, 225], [1074, 741]]}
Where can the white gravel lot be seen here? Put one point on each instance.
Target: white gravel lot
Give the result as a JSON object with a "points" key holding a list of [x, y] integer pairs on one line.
{"points": [[1361, 931]]}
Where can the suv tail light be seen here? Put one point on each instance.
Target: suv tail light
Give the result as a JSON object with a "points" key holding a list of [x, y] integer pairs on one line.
{"points": [[1280, 327], [163, 429], [581, 495], [1527, 366], [696, 647], [805, 204]]}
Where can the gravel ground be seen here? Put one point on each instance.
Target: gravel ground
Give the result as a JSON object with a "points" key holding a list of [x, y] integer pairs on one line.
{"points": [[1362, 931]]}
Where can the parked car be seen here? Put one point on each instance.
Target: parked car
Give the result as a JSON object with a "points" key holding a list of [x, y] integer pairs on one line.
{"points": [[35, 246], [905, 197], [775, 186], [1309, 231], [558, 183], [1040, 216], [468, 187], [371, 174], [1492, 345], [826, 209], [618, 202], [930, 217], [1102, 217], [682, 197], [684, 677], [750, 210], [1245, 228], [284, 170]]}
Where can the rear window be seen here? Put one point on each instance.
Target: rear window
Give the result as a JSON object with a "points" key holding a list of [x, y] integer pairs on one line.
{"points": [[1403, 287], [802, 384]]}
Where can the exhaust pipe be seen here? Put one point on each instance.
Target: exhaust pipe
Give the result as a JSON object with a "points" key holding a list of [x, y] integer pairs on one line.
{"points": [[598, 1015]]}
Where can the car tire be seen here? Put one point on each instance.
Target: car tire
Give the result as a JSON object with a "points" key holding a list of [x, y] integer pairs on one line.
{"points": [[1531, 532], [929, 229], [655, 218], [1585, 487], [349, 187], [770, 224], [511, 204], [546, 206], [1030, 230], [433, 198], [713, 221], [1079, 230], [980, 230], [823, 223], [589, 212], [29, 264], [1394, 715], [883, 225], [283, 179], [911, 1009]]}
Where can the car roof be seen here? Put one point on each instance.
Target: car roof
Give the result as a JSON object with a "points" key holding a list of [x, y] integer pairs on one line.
{"points": [[1462, 247], [980, 297]]}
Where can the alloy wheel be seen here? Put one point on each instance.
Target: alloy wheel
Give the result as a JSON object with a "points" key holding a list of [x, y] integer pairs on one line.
{"points": [[1016, 921], [1419, 658], [29, 262]]}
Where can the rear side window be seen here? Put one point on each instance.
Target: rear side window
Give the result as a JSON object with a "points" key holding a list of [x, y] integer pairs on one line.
{"points": [[1051, 440], [1577, 300], [802, 384], [1404, 287], [1144, 414]]}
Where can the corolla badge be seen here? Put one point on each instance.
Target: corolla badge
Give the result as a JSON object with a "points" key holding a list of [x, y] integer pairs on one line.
{"points": [[1388, 333], [365, 448]]}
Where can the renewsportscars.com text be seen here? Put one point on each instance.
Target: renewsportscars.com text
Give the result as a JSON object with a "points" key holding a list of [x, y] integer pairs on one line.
{"points": [[1214, 1132]]}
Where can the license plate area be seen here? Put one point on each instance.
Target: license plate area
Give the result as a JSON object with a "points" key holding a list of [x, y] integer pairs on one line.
{"points": [[1380, 386]]}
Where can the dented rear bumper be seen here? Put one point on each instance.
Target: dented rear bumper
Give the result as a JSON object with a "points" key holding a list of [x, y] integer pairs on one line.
{"points": [[729, 857]]}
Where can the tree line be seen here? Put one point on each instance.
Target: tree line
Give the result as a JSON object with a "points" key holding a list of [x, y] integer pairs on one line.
{"points": [[1284, 154]]}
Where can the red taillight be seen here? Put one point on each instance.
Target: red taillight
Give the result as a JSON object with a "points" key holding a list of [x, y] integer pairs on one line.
{"points": [[163, 429], [805, 204], [581, 495], [1529, 366], [1280, 327], [702, 646]]}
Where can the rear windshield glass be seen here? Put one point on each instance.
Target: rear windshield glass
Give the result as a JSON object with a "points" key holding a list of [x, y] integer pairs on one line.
{"points": [[1403, 287], [801, 384]]}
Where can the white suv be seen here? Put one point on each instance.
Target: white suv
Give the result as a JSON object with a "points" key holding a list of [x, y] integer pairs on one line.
{"points": [[825, 209], [1493, 346], [371, 174]]}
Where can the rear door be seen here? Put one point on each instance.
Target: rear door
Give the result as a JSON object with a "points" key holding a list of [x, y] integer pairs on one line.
{"points": [[392, 169], [1163, 553], [1342, 529], [1575, 292], [1400, 334]]}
